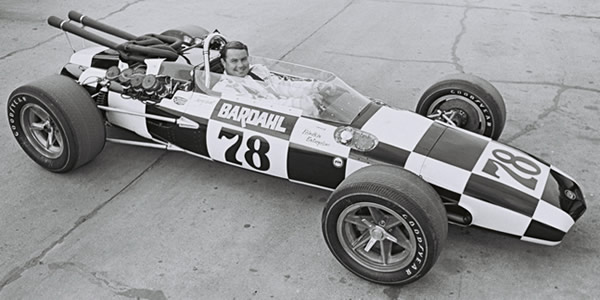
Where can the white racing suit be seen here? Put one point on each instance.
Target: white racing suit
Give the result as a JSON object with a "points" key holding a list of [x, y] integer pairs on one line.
{"points": [[273, 89]]}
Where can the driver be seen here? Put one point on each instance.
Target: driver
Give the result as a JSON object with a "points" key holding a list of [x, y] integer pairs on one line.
{"points": [[258, 83]]}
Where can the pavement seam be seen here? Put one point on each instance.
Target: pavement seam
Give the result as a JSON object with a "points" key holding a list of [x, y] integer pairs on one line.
{"points": [[16, 273], [317, 30], [60, 34]]}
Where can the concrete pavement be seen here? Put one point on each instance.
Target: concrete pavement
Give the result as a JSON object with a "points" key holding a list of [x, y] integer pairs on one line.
{"points": [[145, 224]]}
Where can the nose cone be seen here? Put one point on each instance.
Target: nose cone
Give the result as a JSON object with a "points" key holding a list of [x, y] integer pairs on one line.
{"points": [[560, 206]]}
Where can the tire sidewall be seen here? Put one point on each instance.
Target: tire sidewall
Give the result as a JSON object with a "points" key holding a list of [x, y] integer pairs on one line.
{"points": [[478, 91], [468, 93], [418, 220], [16, 103]]}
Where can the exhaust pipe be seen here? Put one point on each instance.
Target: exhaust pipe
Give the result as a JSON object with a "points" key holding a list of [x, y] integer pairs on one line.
{"points": [[135, 48], [64, 25], [87, 21]]}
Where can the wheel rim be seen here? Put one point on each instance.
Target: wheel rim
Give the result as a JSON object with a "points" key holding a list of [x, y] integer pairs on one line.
{"points": [[42, 131], [376, 237], [460, 111]]}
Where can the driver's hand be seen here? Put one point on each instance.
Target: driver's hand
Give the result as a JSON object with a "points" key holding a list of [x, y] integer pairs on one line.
{"points": [[318, 102], [326, 89]]}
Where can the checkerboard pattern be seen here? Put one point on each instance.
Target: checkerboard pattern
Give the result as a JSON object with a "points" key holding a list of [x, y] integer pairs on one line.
{"points": [[503, 188], [459, 166]]}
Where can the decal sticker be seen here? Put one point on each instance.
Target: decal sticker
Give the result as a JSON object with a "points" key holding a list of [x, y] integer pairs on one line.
{"points": [[247, 148], [255, 118], [318, 136], [255, 144], [338, 162], [315, 137], [514, 168], [179, 100], [511, 164]]}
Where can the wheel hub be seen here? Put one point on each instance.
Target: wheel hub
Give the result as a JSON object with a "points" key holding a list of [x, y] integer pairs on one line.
{"points": [[458, 111], [376, 237], [41, 131], [377, 234]]}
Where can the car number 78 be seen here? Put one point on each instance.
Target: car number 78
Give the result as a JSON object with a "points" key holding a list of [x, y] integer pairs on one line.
{"points": [[512, 163], [257, 147]]}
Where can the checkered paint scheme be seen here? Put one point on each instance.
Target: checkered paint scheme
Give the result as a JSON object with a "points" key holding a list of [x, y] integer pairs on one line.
{"points": [[458, 163], [467, 169]]}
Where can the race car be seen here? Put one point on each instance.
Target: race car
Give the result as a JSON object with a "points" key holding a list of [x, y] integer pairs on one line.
{"points": [[397, 177]]}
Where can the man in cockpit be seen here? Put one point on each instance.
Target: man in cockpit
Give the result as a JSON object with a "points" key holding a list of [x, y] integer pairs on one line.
{"points": [[257, 82]]}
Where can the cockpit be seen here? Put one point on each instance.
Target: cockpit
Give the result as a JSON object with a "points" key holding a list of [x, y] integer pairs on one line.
{"points": [[340, 107]]}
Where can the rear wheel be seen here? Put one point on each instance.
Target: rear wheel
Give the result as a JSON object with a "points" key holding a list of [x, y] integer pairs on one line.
{"points": [[385, 225], [56, 123], [465, 101]]}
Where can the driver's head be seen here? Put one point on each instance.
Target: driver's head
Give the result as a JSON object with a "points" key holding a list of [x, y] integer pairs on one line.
{"points": [[234, 56]]}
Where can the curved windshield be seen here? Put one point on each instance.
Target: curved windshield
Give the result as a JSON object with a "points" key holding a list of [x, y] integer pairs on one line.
{"points": [[319, 94], [340, 102]]}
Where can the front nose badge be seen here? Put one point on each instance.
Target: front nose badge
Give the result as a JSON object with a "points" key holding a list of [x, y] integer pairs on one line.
{"points": [[570, 195]]}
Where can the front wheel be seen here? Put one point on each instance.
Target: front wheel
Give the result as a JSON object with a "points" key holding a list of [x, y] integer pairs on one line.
{"points": [[56, 123], [385, 225], [465, 101]]}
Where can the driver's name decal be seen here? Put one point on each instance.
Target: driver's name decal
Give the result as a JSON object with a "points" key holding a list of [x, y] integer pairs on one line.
{"points": [[255, 118]]}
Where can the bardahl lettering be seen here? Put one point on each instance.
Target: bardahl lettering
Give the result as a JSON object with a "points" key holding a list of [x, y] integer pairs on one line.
{"points": [[250, 116]]}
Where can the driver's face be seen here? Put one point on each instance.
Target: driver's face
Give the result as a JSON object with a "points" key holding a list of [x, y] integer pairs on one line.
{"points": [[237, 63]]}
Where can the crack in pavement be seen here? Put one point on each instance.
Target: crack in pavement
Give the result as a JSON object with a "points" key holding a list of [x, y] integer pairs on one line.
{"points": [[16, 273], [483, 7], [391, 59], [317, 30], [457, 39], [9, 54], [101, 279], [547, 83], [534, 125], [124, 7]]}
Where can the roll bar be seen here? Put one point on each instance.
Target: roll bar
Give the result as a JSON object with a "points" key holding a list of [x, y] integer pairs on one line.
{"points": [[206, 52]]}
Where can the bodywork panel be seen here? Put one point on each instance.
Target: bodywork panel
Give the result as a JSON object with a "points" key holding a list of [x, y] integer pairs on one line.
{"points": [[499, 187]]}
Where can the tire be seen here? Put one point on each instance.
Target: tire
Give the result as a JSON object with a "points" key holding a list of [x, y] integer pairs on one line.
{"points": [[411, 211], [186, 33], [56, 122], [471, 102]]}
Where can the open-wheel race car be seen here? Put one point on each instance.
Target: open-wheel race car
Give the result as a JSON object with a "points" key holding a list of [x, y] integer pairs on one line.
{"points": [[398, 177]]}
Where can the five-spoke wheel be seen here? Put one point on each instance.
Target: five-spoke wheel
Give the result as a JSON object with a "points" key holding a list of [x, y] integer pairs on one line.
{"points": [[385, 224], [376, 236], [42, 131], [56, 122]]}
